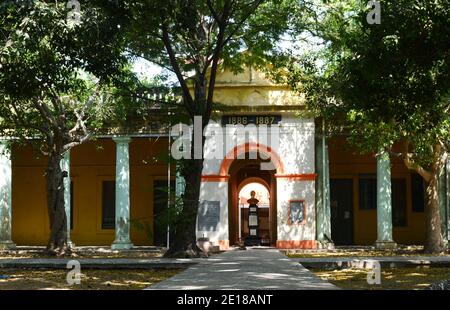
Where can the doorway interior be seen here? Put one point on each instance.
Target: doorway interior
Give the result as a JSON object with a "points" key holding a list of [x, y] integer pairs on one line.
{"points": [[245, 176], [341, 192], [263, 195]]}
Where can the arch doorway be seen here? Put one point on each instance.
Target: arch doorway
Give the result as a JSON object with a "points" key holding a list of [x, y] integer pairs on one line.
{"points": [[245, 176]]}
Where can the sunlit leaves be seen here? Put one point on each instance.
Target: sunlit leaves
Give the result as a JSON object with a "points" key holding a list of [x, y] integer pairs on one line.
{"points": [[392, 80]]}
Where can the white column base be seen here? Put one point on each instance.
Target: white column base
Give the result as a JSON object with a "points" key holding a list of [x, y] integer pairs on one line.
{"points": [[7, 245], [119, 245], [70, 244], [385, 245], [325, 245]]}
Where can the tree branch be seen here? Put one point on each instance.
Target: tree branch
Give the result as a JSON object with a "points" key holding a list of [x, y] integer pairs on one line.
{"points": [[410, 164], [177, 70], [215, 58]]}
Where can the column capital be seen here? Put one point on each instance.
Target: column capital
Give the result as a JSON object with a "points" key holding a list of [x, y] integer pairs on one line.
{"points": [[122, 139], [382, 154]]}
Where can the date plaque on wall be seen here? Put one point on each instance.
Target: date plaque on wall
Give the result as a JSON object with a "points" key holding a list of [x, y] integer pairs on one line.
{"points": [[251, 119]]}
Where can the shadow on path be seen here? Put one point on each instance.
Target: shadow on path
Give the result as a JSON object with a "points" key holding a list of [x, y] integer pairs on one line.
{"points": [[253, 269]]}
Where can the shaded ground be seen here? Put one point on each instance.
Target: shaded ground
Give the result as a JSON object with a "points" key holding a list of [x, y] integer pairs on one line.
{"points": [[391, 278], [360, 252], [32, 279], [85, 252]]}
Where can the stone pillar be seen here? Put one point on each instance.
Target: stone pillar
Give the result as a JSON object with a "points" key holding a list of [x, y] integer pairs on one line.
{"points": [[447, 186], [384, 202], [122, 241], [5, 197], [65, 166], [443, 201], [323, 211], [180, 183]]}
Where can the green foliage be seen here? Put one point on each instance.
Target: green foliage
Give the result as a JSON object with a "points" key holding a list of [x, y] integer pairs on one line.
{"points": [[385, 82], [53, 72], [143, 225], [189, 37]]}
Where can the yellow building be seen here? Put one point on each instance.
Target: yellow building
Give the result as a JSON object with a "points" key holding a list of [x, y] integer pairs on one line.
{"points": [[318, 191]]}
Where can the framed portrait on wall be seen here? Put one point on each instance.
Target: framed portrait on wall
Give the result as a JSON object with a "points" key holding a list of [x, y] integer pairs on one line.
{"points": [[297, 212]]}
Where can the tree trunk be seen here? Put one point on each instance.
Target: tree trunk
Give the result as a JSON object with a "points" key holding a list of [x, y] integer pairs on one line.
{"points": [[184, 243], [55, 203], [434, 242]]}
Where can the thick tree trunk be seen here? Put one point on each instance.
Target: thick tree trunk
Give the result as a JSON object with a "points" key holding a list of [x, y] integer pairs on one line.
{"points": [[434, 242], [55, 203], [184, 243]]}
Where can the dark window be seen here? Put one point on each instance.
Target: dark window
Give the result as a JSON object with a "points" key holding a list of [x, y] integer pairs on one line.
{"points": [[160, 214], [399, 214], [71, 204], [108, 204], [417, 193], [367, 192]]}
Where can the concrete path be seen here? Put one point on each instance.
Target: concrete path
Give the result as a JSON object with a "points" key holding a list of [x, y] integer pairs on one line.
{"points": [[252, 269]]}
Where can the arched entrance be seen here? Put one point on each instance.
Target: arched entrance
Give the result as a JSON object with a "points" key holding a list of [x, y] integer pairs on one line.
{"points": [[245, 176]]}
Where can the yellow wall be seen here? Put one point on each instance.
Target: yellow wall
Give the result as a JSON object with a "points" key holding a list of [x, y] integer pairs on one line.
{"points": [[252, 89], [91, 163], [345, 163]]}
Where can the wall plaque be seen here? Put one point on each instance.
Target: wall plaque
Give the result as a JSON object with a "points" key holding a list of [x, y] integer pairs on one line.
{"points": [[208, 215], [251, 119], [297, 212]]}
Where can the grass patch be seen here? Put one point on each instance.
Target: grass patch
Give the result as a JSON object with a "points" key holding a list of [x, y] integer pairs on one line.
{"points": [[391, 278], [43, 279]]}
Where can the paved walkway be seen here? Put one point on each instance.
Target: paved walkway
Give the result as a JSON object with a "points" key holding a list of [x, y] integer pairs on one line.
{"points": [[252, 269]]}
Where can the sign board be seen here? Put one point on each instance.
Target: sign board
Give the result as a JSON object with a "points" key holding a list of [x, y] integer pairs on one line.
{"points": [[251, 119], [208, 216], [296, 212]]}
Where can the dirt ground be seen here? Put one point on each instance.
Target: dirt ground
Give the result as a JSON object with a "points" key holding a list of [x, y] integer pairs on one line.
{"points": [[39, 279], [359, 252], [98, 252], [391, 278]]}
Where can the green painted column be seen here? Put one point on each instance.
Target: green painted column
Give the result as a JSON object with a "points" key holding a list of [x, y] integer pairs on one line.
{"points": [[447, 186], [180, 183], [323, 212], [122, 241], [65, 166], [326, 190], [444, 195], [384, 202], [5, 196]]}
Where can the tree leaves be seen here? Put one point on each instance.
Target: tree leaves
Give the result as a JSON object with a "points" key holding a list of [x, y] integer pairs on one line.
{"points": [[392, 79]]}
